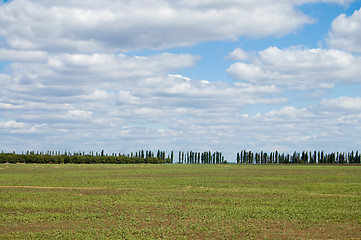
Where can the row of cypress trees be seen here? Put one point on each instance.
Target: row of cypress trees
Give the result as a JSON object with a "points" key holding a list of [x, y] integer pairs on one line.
{"points": [[305, 157], [200, 158]]}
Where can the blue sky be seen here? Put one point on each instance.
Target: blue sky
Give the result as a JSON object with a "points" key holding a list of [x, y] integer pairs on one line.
{"points": [[192, 75]]}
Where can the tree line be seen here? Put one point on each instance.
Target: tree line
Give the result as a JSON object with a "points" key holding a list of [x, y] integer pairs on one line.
{"points": [[142, 156], [305, 157], [65, 157], [190, 157]]}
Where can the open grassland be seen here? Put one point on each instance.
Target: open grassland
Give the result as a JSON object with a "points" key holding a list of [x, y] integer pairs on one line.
{"points": [[180, 202]]}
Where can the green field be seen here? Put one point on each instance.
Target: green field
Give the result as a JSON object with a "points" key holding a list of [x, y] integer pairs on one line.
{"points": [[180, 201]]}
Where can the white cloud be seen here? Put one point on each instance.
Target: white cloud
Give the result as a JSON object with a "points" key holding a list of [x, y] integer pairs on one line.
{"points": [[349, 104], [289, 112], [345, 32], [78, 74], [238, 54], [130, 100], [66, 88], [299, 68], [120, 65], [94, 26], [80, 114], [121, 79], [318, 127], [15, 127], [12, 124], [247, 72], [22, 56]]}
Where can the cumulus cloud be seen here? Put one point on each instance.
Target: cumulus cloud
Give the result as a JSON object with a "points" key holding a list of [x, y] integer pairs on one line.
{"points": [[348, 104], [19, 127], [120, 80], [70, 26], [12, 124], [22, 56], [345, 32], [327, 126], [128, 98], [177, 112], [238, 54], [298, 68], [66, 75]]}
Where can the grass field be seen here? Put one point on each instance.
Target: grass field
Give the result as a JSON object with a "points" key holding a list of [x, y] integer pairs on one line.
{"points": [[180, 202]]}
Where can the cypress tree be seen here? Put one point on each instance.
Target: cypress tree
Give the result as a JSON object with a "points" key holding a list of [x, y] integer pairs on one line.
{"points": [[357, 158], [321, 157]]}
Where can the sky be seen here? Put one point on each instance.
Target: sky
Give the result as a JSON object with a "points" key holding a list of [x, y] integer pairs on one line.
{"points": [[200, 75]]}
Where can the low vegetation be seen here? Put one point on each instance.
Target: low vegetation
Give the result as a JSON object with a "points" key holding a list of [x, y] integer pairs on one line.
{"points": [[146, 201]]}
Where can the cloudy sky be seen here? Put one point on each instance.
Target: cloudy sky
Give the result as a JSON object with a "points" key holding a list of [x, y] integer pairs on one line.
{"points": [[180, 75]]}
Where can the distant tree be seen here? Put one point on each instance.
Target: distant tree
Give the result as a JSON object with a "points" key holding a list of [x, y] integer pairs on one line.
{"points": [[322, 161], [357, 158]]}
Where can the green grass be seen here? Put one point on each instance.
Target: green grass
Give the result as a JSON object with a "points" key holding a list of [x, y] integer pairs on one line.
{"points": [[180, 202]]}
